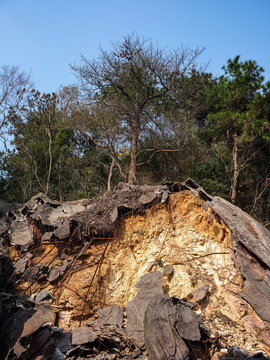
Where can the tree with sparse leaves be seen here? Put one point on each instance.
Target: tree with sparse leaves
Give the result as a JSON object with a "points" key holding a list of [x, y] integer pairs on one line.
{"points": [[129, 83], [14, 87]]}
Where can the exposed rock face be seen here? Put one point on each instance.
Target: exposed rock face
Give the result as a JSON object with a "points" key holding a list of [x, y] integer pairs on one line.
{"points": [[90, 254]]}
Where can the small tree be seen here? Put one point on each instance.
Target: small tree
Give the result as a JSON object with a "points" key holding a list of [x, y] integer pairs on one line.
{"points": [[129, 83]]}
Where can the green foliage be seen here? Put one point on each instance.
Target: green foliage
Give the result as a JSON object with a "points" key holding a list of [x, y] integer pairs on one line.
{"points": [[140, 104]]}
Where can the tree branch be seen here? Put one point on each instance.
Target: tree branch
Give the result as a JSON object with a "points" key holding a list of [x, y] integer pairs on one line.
{"points": [[156, 152]]}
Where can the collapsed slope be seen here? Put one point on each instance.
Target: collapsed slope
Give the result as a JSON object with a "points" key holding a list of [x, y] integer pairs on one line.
{"points": [[90, 254]]}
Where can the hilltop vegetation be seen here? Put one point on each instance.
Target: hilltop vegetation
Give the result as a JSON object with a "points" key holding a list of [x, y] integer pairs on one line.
{"points": [[139, 114]]}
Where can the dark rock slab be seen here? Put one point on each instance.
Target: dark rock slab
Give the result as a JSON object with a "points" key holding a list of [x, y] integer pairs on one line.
{"points": [[42, 296], [41, 347], [1, 309], [32, 274], [7, 279], [201, 292], [63, 341], [82, 335], [257, 299], [161, 338], [111, 315], [18, 349], [149, 285], [25, 322], [186, 322]]}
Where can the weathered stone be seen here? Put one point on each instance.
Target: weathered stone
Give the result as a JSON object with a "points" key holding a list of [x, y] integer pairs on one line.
{"points": [[50, 215], [18, 349], [26, 322], [7, 280], [41, 347], [63, 230], [114, 214], [62, 269], [21, 264], [149, 285], [53, 275], [63, 341], [6, 216], [47, 236], [257, 299], [112, 315], [21, 233], [201, 248], [168, 270], [164, 196], [161, 339], [147, 198], [237, 353], [186, 322], [57, 355], [201, 292], [43, 295], [32, 274], [82, 335]]}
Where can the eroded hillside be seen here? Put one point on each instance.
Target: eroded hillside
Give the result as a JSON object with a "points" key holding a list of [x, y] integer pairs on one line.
{"points": [[90, 255]]}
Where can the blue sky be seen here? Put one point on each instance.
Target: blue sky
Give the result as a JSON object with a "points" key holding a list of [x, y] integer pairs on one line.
{"points": [[46, 36]]}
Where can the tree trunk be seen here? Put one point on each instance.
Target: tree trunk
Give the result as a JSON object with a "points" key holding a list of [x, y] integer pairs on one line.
{"points": [[133, 154], [48, 130], [235, 170], [109, 187]]}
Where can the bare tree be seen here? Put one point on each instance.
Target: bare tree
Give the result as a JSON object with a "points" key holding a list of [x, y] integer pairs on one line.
{"points": [[131, 80], [14, 85]]}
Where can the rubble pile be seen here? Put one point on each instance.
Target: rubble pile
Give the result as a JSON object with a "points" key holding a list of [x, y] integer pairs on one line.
{"points": [[147, 272]]}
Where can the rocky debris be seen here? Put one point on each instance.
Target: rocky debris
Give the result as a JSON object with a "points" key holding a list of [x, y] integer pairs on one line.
{"points": [[75, 248], [170, 327], [149, 285]]}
